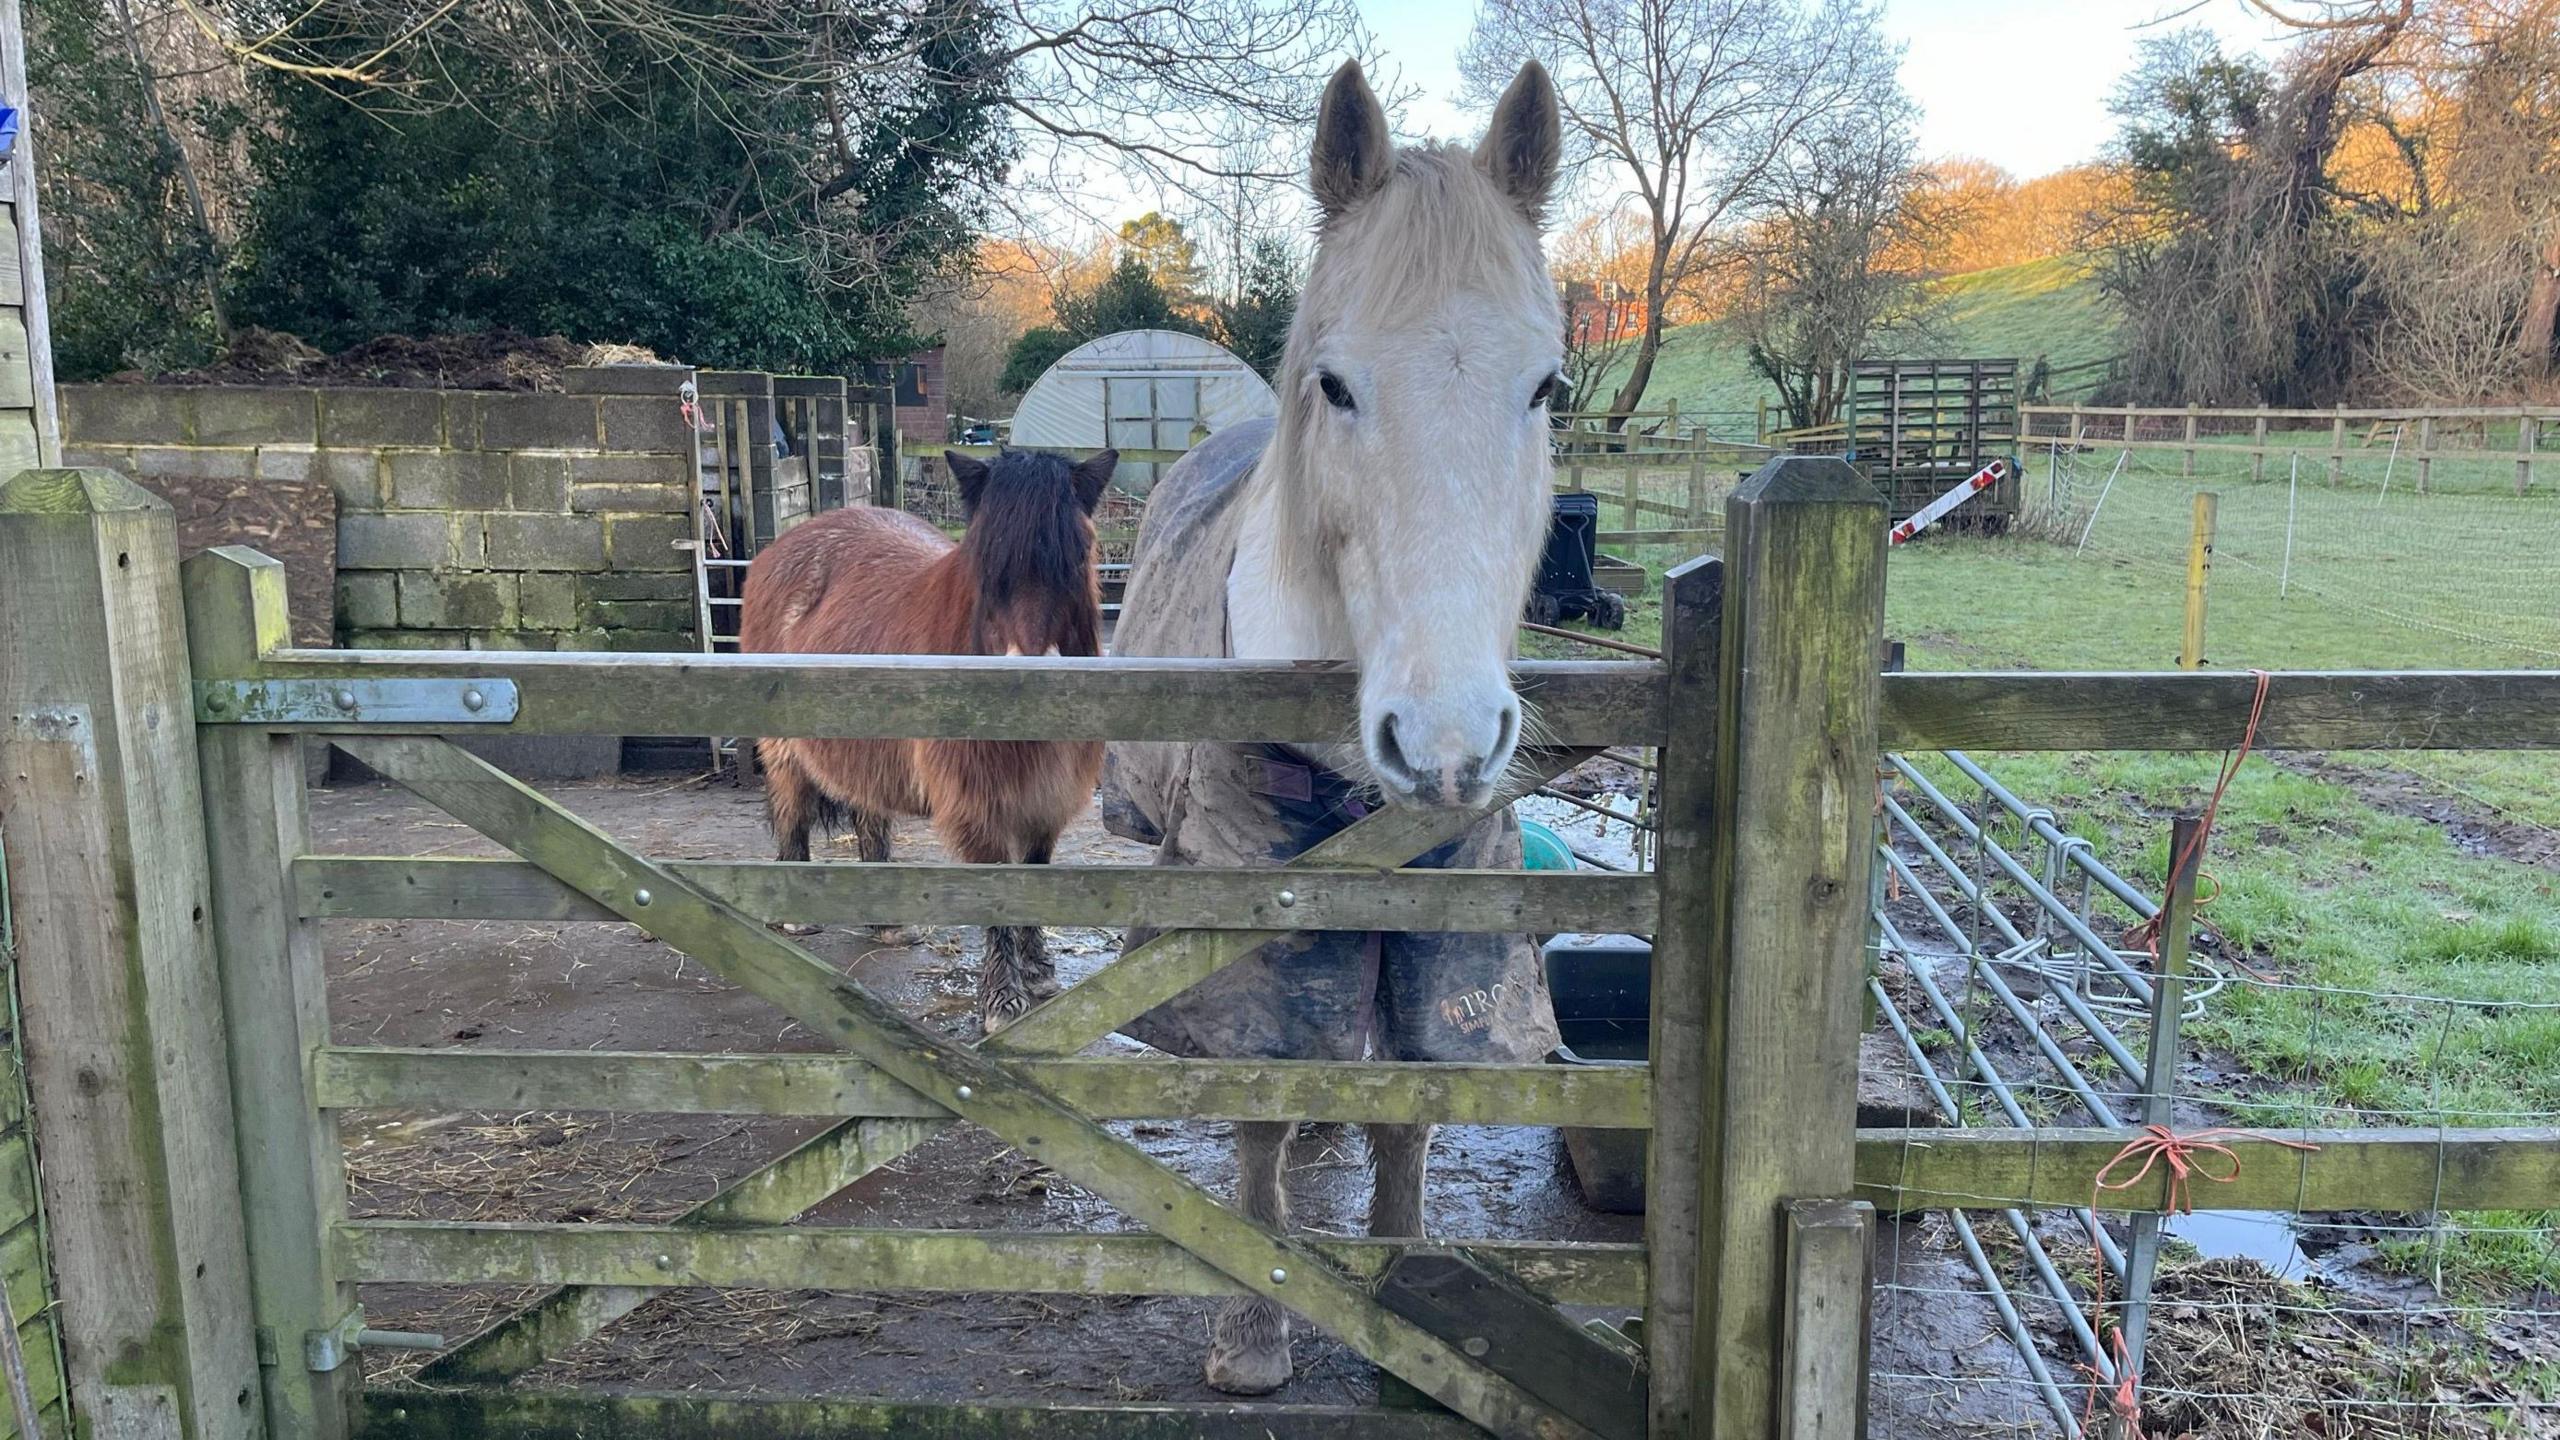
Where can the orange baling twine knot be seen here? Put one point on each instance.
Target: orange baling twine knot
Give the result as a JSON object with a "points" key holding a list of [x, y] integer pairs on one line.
{"points": [[2198, 1154]]}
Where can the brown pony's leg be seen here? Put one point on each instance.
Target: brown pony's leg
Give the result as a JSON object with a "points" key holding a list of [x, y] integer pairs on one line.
{"points": [[871, 846], [1039, 972], [793, 802], [1398, 1157], [1004, 990], [1249, 1341], [871, 836]]}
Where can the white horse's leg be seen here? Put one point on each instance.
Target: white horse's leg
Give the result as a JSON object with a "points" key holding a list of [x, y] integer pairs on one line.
{"points": [[1249, 1341], [1398, 1157]]}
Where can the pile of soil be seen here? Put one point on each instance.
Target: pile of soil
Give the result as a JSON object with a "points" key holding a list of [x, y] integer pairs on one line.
{"points": [[498, 359]]}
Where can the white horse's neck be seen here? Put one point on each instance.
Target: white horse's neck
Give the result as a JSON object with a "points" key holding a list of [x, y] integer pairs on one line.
{"points": [[1276, 610]]}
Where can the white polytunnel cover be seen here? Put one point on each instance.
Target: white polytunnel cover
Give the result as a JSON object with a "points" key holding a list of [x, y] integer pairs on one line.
{"points": [[1139, 390]]}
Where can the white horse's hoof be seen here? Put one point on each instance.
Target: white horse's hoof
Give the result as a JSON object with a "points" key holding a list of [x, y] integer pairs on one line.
{"points": [[794, 928], [1249, 1372], [1248, 1348]]}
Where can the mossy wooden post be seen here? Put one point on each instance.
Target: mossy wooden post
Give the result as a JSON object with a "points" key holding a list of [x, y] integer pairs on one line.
{"points": [[1678, 1045], [104, 827], [1798, 698], [293, 1181]]}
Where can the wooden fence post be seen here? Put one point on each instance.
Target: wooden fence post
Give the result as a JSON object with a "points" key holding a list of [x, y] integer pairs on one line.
{"points": [[1692, 641], [2199, 571], [2426, 450], [2257, 449], [1830, 1257], [274, 1002], [1798, 698], [123, 1028], [2526, 436]]}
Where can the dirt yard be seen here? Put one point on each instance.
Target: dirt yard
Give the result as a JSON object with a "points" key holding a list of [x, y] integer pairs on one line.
{"points": [[510, 985]]}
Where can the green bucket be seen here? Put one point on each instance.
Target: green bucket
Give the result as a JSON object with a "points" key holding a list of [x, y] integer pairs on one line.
{"points": [[1543, 848]]}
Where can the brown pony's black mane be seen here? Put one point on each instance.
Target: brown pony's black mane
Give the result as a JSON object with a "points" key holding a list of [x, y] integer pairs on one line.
{"points": [[1030, 535]]}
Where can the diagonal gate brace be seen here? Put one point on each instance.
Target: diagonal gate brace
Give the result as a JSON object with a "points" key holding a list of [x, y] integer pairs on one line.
{"points": [[812, 1173], [977, 1087], [1487, 1313]]}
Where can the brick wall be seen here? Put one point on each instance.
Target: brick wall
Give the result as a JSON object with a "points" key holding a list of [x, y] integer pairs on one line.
{"points": [[924, 414], [465, 519]]}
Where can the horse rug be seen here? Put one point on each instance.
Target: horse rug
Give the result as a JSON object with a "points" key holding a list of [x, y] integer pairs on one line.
{"points": [[1315, 995]]}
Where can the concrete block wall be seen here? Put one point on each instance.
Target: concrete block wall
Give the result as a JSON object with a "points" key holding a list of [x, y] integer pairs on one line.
{"points": [[465, 519]]}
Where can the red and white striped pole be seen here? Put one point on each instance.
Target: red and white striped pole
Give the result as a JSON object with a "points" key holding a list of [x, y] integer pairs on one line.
{"points": [[1936, 510]]}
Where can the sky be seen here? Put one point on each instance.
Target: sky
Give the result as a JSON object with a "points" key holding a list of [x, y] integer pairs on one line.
{"points": [[2021, 83]]}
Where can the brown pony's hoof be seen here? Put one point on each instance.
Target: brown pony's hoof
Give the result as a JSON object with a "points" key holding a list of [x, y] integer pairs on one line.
{"points": [[794, 928], [996, 1011], [1249, 1349]]}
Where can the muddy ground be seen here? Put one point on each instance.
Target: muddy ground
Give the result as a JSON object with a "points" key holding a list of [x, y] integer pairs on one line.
{"points": [[1943, 1367]]}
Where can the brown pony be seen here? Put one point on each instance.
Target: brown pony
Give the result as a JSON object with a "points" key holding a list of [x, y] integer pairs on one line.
{"points": [[1021, 581]]}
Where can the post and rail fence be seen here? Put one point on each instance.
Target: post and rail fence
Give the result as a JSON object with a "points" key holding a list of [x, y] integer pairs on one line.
{"points": [[210, 1270], [2478, 438]]}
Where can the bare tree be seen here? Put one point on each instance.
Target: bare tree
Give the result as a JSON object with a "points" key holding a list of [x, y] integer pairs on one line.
{"points": [[1687, 105], [1838, 268], [2503, 169], [1601, 260]]}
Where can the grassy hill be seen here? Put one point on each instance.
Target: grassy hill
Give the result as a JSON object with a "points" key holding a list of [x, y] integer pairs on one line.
{"points": [[2043, 307]]}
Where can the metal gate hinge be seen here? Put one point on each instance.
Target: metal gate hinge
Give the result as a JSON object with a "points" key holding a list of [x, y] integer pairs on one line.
{"points": [[322, 702], [326, 1350]]}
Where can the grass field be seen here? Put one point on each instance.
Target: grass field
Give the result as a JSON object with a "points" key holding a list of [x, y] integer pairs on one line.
{"points": [[2044, 307]]}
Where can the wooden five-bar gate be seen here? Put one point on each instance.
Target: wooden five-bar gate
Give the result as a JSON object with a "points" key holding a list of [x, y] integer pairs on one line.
{"points": [[186, 1085]]}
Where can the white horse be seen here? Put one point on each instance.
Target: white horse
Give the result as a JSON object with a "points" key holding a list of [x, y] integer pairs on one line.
{"points": [[1392, 515]]}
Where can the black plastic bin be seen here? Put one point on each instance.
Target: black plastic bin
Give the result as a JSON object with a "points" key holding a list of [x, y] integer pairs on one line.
{"points": [[1603, 991]]}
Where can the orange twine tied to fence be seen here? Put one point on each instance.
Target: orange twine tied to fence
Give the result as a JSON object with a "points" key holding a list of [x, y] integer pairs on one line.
{"points": [[2181, 1158], [2157, 1147]]}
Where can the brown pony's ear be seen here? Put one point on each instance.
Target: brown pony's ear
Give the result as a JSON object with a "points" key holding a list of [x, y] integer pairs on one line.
{"points": [[1353, 154], [1093, 476], [1523, 147], [970, 475]]}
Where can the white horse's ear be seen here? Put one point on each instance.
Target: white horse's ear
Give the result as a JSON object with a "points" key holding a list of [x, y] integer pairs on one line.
{"points": [[1525, 144], [970, 475], [1091, 476], [1353, 154]]}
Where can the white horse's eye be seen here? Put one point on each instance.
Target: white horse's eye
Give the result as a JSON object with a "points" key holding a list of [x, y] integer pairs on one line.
{"points": [[1336, 394], [1546, 391]]}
